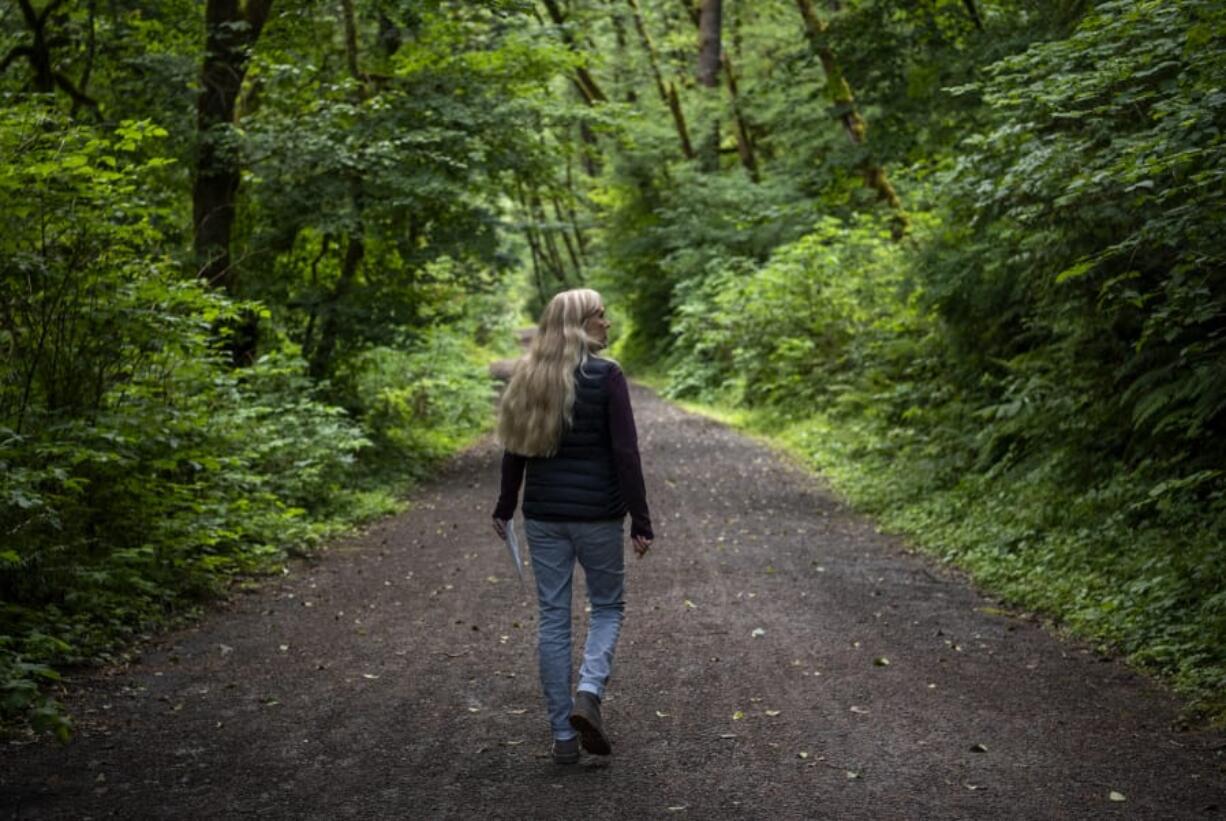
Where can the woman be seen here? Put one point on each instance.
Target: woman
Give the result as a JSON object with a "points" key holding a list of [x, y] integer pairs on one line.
{"points": [[566, 421]]}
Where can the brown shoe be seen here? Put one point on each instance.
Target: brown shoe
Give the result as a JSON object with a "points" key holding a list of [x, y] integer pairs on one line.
{"points": [[585, 718], [565, 752]]}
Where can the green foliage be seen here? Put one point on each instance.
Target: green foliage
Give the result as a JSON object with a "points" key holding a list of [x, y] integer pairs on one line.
{"points": [[1030, 383], [825, 312], [411, 162], [139, 470], [668, 234], [423, 401], [1091, 249], [135, 466]]}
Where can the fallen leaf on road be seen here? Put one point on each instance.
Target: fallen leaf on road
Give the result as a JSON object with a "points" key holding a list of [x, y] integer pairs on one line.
{"points": [[738, 715], [802, 754], [660, 714], [773, 713], [369, 675], [727, 735], [678, 808], [758, 632], [1117, 796], [851, 775], [474, 709], [978, 748], [972, 787], [860, 711], [881, 661], [689, 604]]}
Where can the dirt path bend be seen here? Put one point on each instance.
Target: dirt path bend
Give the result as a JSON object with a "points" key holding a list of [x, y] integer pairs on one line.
{"points": [[396, 678]]}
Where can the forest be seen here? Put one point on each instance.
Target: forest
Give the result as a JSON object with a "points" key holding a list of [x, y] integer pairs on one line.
{"points": [[961, 257]]}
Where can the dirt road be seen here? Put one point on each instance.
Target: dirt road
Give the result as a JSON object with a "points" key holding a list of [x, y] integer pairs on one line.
{"points": [[780, 659]]}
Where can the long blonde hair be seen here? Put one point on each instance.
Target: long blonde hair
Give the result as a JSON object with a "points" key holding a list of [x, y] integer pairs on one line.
{"points": [[538, 404]]}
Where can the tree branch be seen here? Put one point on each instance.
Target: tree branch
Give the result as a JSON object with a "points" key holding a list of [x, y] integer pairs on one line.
{"points": [[18, 51], [589, 89], [973, 11], [78, 98]]}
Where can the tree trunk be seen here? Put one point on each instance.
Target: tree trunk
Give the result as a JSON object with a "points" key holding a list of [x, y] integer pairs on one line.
{"points": [[710, 25], [231, 31], [578, 253], [585, 85], [619, 78], [574, 217], [308, 338], [854, 125], [321, 357], [355, 247], [973, 11], [744, 139], [668, 95], [744, 142], [91, 50], [38, 55], [549, 242], [544, 248], [588, 87], [649, 47], [571, 251], [683, 134]]}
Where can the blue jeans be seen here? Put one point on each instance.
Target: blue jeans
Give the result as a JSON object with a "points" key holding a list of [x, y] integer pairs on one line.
{"points": [[554, 547]]}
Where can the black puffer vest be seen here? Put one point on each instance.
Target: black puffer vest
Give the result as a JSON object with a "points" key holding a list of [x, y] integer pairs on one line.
{"points": [[579, 483]]}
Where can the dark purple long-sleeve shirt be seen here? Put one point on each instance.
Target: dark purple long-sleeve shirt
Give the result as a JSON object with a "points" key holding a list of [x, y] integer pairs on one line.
{"points": [[625, 442]]}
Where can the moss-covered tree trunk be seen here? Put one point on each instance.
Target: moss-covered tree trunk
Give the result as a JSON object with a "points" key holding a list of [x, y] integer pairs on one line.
{"points": [[231, 31], [668, 93], [853, 123]]}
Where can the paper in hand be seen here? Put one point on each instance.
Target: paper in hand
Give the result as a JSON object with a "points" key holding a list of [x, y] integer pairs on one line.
{"points": [[513, 549]]}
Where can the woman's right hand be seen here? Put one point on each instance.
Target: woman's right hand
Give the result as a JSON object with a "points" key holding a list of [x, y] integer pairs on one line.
{"points": [[500, 527], [641, 544]]}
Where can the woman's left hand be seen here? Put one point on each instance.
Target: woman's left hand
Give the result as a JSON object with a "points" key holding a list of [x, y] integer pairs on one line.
{"points": [[641, 544], [500, 527]]}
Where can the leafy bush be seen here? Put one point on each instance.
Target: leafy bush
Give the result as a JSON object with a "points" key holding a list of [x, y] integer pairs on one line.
{"points": [[1088, 277], [666, 235], [138, 469], [826, 318], [421, 402], [1031, 383]]}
